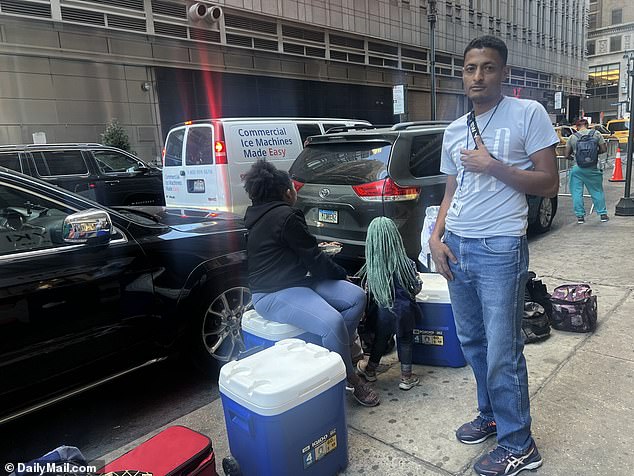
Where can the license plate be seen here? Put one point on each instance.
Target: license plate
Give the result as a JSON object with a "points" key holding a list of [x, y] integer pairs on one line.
{"points": [[328, 216]]}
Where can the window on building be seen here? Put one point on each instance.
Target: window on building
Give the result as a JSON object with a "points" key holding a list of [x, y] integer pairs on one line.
{"points": [[617, 16], [603, 81], [592, 21], [615, 43], [590, 46]]}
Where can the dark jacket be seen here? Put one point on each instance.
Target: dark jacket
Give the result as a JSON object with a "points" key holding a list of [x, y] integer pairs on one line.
{"points": [[281, 250]]}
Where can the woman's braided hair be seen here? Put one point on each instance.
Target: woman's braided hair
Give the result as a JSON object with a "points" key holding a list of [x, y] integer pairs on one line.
{"points": [[265, 183], [385, 259]]}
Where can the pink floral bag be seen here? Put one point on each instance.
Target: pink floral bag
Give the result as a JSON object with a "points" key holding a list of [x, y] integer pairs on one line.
{"points": [[574, 308]]}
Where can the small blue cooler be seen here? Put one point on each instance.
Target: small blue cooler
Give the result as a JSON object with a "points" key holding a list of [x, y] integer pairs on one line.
{"points": [[285, 411], [258, 331], [435, 339]]}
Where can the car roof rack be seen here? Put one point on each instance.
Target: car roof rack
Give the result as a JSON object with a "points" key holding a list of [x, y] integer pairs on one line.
{"points": [[52, 145], [406, 125], [356, 127]]}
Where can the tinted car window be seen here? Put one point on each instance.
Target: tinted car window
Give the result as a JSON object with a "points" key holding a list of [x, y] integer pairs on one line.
{"points": [[307, 130], [10, 161], [110, 161], [425, 156], [618, 126], [174, 149], [27, 221], [342, 164], [199, 148], [63, 162]]}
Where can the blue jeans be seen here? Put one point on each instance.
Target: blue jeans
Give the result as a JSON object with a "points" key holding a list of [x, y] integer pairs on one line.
{"points": [[331, 309], [592, 178], [487, 298]]}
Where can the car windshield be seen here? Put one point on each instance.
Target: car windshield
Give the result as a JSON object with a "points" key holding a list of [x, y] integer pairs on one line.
{"points": [[619, 126], [342, 163]]}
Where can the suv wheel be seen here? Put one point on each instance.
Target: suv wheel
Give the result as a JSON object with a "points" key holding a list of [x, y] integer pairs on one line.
{"points": [[218, 332], [543, 217]]}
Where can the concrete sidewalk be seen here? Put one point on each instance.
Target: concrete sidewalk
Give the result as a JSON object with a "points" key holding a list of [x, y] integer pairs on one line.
{"points": [[582, 385]]}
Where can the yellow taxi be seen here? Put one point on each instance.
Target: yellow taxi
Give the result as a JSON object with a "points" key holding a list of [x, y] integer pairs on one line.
{"points": [[621, 129]]}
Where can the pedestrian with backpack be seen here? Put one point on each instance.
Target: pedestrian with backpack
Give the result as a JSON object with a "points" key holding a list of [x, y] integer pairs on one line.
{"points": [[586, 145]]}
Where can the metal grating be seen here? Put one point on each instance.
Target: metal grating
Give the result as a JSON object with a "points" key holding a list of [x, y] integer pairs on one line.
{"points": [[261, 26], [382, 48], [126, 23], [356, 58], [169, 29], [293, 48], [238, 40], [318, 52], [169, 9], [204, 35], [82, 16], [262, 44], [347, 42], [417, 54], [129, 4], [24, 7], [294, 32], [339, 55]]}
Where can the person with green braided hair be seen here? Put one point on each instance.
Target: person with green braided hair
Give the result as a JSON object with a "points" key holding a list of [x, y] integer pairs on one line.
{"points": [[392, 283]]}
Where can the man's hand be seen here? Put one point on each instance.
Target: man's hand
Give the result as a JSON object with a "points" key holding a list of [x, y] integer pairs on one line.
{"points": [[478, 160], [441, 254]]}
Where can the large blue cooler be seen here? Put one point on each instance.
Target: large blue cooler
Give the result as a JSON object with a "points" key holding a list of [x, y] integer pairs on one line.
{"points": [[285, 412], [257, 331], [435, 338]]}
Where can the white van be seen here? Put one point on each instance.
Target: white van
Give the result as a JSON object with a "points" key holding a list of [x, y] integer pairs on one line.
{"points": [[203, 161]]}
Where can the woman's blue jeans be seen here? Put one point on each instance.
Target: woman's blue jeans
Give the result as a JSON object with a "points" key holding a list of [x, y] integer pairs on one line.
{"points": [[487, 298], [592, 178], [331, 309]]}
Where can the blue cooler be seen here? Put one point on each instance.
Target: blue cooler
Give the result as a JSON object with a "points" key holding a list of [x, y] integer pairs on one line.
{"points": [[435, 338], [285, 411], [257, 331]]}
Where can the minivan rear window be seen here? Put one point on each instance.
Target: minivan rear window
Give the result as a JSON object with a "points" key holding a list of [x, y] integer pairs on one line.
{"points": [[174, 149], [342, 163]]}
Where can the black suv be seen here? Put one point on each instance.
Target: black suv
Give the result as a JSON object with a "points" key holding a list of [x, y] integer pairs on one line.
{"points": [[104, 174], [348, 177]]}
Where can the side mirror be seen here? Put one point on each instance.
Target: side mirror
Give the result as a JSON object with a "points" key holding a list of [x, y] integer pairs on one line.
{"points": [[92, 226]]}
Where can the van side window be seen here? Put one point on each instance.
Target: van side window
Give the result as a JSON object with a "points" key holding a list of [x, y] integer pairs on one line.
{"points": [[174, 149], [307, 130], [425, 156], [60, 162], [10, 161], [199, 148]]}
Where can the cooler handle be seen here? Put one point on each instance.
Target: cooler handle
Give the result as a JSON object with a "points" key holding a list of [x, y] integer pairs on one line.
{"points": [[241, 421], [423, 297]]}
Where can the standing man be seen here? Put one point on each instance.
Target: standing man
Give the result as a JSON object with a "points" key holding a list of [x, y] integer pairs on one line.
{"points": [[493, 156], [586, 144]]}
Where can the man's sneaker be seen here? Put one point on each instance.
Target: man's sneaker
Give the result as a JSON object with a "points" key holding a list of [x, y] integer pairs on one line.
{"points": [[476, 431], [604, 218], [368, 374], [580, 220], [408, 383], [501, 462]]}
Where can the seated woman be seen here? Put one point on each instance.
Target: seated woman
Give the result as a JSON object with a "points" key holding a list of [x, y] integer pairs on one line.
{"points": [[281, 252]]}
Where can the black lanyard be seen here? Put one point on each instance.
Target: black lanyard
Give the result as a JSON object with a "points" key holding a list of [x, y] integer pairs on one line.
{"points": [[472, 125]]}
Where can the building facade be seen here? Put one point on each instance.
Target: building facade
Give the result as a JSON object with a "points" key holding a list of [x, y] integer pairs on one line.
{"points": [[610, 37], [70, 66]]}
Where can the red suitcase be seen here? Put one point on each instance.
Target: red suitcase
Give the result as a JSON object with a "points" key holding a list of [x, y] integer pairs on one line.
{"points": [[175, 451]]}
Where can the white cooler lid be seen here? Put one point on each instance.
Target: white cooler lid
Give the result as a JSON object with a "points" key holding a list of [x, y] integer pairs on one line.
{"points": [[281, 377], [435, 289], [256, 325]]}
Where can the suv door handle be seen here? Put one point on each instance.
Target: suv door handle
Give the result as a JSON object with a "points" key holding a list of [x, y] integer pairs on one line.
{"points": [[182, 172], [112, 182]]}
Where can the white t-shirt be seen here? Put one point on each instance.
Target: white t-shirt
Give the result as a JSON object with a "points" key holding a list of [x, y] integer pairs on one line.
{"points": [[482, 205]]}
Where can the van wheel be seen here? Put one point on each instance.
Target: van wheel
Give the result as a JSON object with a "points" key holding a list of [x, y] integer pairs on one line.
{"points": [[543, 216], [217, 334]]}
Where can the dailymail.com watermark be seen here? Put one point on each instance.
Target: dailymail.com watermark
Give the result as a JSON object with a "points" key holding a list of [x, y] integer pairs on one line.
{"points": [[49, 468]]}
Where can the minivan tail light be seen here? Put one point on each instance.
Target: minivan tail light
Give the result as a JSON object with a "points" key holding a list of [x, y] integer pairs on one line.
{"points": [[386, 190], [297, 185], [220, 148]]}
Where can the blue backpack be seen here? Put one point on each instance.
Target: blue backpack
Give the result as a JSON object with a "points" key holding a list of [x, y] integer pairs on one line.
{"points": [[587, 150]]}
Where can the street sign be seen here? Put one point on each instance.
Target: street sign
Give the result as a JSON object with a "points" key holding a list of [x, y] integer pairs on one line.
{"points": [[558, 99], [398, 97]]}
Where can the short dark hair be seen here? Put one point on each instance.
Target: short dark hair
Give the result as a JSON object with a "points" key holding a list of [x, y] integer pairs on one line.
{"points": [[488, 41], [581, 121], [265, 183]]}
